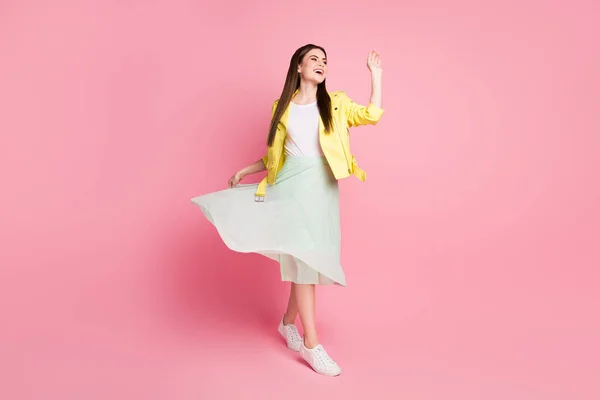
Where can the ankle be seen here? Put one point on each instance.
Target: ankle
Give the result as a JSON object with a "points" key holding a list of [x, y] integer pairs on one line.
{"points": [[287, 320], [310, 341]]}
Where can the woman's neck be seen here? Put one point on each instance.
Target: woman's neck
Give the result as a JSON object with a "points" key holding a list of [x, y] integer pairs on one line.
{"points": [[307, 93]]}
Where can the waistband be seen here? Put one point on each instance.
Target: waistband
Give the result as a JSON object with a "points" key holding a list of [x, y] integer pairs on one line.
{"points": [[261, 190]]}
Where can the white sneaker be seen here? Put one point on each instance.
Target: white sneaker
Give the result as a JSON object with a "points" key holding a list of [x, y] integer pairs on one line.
{"points": [[319, 360], [291, 335]]}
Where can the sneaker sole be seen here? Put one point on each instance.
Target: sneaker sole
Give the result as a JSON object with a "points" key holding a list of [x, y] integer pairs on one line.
{"points": [[326, 373]]}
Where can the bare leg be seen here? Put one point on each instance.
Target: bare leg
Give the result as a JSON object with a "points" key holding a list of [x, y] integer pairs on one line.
{"points": [[292, 307], [305, 301]]}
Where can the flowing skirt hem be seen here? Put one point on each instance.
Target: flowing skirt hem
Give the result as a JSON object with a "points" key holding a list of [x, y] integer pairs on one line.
{"points": [[273, 254]]}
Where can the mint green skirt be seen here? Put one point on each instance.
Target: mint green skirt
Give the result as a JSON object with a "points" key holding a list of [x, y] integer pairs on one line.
{"points": [[297, 225]]}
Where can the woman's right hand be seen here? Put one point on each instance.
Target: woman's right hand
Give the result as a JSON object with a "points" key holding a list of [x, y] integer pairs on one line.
{"points": [[235, 179], [250, 169]]}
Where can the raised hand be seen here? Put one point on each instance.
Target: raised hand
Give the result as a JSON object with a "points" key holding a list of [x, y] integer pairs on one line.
{"points": [[374, 61]]}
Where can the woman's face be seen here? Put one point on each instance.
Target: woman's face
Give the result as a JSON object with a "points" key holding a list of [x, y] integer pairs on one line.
{"points": [[313, 67]]}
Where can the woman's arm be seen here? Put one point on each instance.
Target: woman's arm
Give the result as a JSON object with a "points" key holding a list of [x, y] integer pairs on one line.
{"points": [[358, 114], [374, 65], [250, 169]]}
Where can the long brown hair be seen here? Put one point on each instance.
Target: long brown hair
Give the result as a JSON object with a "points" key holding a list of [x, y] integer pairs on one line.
{"points": [[292, 83]]}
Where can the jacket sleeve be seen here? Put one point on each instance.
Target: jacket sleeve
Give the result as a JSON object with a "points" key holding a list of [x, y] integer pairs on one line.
{"points": [[265, 158], [359, 114]]}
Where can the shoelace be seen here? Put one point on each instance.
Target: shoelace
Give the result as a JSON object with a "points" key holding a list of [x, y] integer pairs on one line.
{"points": [[294, 334], [323, 356]]}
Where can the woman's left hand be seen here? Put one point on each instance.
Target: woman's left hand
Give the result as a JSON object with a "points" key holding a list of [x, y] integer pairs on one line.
{"points": [[374, 62]]}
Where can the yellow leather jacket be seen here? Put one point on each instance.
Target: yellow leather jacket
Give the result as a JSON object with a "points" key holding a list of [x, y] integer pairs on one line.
{"points": [[335, 145]]}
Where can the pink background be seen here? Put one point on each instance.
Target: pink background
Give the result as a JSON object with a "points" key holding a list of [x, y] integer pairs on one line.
{"points": [[471, 251]]}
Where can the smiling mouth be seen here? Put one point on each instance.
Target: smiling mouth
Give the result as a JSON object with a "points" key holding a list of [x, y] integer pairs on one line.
{"points": [[319, 71]]}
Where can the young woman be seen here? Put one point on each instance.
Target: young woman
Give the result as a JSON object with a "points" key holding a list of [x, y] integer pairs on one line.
{"points": [[292, 216]]}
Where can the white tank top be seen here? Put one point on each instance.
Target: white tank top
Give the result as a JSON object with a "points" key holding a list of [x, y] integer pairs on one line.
{"points": [[303, 131]]}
